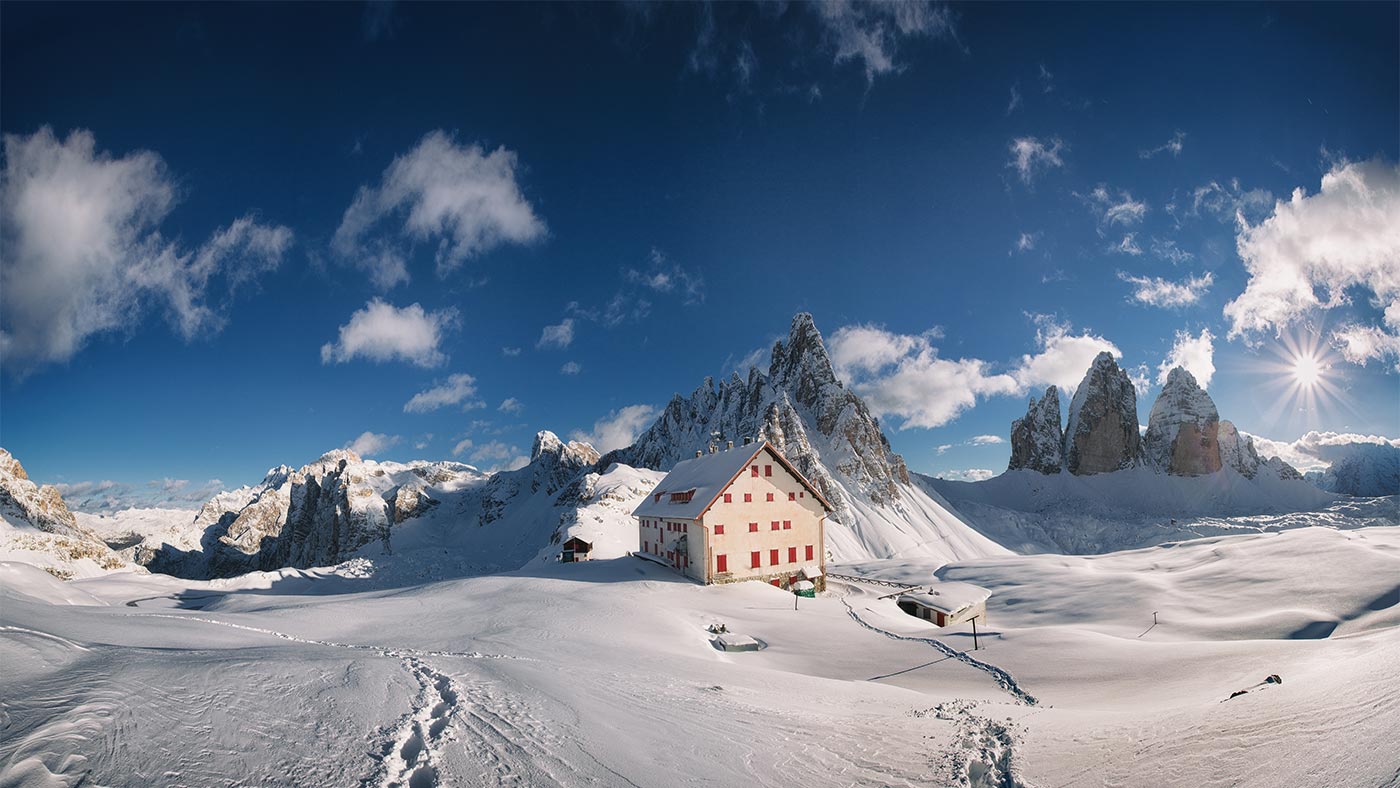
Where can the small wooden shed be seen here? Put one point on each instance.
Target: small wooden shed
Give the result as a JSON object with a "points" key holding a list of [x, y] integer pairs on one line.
{"points": [[575, 550], [946, 604]]}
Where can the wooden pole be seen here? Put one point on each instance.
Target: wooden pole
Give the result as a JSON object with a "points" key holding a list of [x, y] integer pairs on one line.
{"points": [[974, 633]]}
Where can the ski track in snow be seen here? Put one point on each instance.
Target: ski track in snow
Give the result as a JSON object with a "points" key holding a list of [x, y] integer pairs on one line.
{"points": [[1003, 679], [984, 755], [510, 746]]}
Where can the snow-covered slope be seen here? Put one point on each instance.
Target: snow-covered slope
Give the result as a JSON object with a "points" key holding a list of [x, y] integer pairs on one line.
{"points": [[1361, 469], [830, 436], [37, 528], [1033, 512]]}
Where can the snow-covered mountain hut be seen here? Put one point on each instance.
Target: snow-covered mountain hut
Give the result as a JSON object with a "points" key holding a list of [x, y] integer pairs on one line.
{"points": [[741, 513], [948, 603]]}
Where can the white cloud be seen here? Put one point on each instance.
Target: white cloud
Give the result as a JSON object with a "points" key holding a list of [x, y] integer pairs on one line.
{"points": [[461, 197], [1228, 202], [1015, 100], [1030, 156], [664, 275], [1172, 146], [1193, 354], [871, 33], [985, 440], [422, 443], [493, 456], [1026, 242], [618, 429], [1120, 209], [1047, 80], [571, 368], [1314, 249], [1316, 451], [1128, 245], [382, 332], [902, 375], [462, 446], [557, 336], [372, 443], [758, 357], [968, 475], [1156, 291], [510, 352], [1063, 359], [1167, 249], [107, 496], [456, 390], [511, 405], [84, 256]]}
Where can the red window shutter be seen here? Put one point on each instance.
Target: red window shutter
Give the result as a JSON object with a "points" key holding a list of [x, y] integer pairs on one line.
{"points": [[721, 563], [753, 470], [774, 526], [753, 528], [768, 470], [728, 498], [787, 525], [792, 496], [770, 497], [719, 530], [802, 494], [792, 555], [809, 552], [748, 497], [775, 583], [773, 557], [754, 561]]}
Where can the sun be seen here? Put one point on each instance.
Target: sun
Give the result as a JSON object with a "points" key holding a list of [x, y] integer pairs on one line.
{"points": [[1307, 370]]}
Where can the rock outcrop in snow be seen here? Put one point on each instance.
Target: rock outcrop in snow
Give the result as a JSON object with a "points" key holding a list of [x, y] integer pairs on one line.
{"points": [[36, 527], [1102, 434], [1237, 451], [1037, 442], [830, 436], [1360, 469], [1183, 429]]}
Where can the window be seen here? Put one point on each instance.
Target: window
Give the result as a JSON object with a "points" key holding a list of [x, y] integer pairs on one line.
{"points": [[728, 498], [748, 497], [770, 497], [682, 497], [753, 471], [773, 557], [802, 494], [719, 530], [787, 525], [792, 496], [774, 526], [754, 563], [721, 563], [792, 555], [768, 470], [753, 528], [658, 497], [809, 552]]}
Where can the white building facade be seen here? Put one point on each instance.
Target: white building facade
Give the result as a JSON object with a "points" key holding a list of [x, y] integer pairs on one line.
{"points": [[743, 513]]}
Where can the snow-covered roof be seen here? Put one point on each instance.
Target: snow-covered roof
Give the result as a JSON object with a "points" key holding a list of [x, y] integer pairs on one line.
{"points": [[948, 598], [705, 477], [812, 572]]}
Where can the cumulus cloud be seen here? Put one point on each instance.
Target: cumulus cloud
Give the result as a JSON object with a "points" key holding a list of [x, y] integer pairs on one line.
{"points": [[559, 336], [618, 429], [1316, 451], [1173, 146], [1314, 249], [902, 375], [493, 456], [462, 198], [459, 389], [372, 443], [511, 405], [968, 475], [382, 332], [1030, 156], [1156, 291], [1195, 354], [1063, 357], [871, 33], [84, 256], [571, 368]]}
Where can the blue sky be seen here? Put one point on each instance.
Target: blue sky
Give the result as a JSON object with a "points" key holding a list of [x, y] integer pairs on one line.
{"points": [[238, 236]]}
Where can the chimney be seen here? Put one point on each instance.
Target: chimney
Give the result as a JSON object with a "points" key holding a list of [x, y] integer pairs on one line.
{"points": [[747, 440], [730, 446], [712, 448], [699, 453]]}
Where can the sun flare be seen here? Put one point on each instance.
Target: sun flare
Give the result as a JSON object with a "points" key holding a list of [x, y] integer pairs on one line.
{"points": [[1307, 370]]}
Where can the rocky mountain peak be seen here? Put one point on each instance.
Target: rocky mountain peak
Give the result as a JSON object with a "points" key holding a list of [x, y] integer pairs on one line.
{"points": [[1102, 433], [1183, 428], [1037, 440], [43, 507], [801, 365]]}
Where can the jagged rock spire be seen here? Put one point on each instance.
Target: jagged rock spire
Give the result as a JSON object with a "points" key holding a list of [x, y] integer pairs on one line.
{"points": [[1183, 428], [1102, 434], [1037, 441]]}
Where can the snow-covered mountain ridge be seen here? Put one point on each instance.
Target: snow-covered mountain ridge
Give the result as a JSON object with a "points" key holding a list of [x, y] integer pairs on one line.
{"points": [[36, 527]]}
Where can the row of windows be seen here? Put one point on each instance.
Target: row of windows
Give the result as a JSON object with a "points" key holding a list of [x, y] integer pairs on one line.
{"points": [[767, 470], [756, 558], [748, 497]]}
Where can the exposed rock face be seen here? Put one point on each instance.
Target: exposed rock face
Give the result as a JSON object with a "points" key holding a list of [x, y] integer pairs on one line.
{"points": [[1102, 434], [800, 407], [1360, 469], [1237, 451], [1037, 441], [553, 465], [42, 529], [42, 507], [408, 501], [1183, 429]]}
